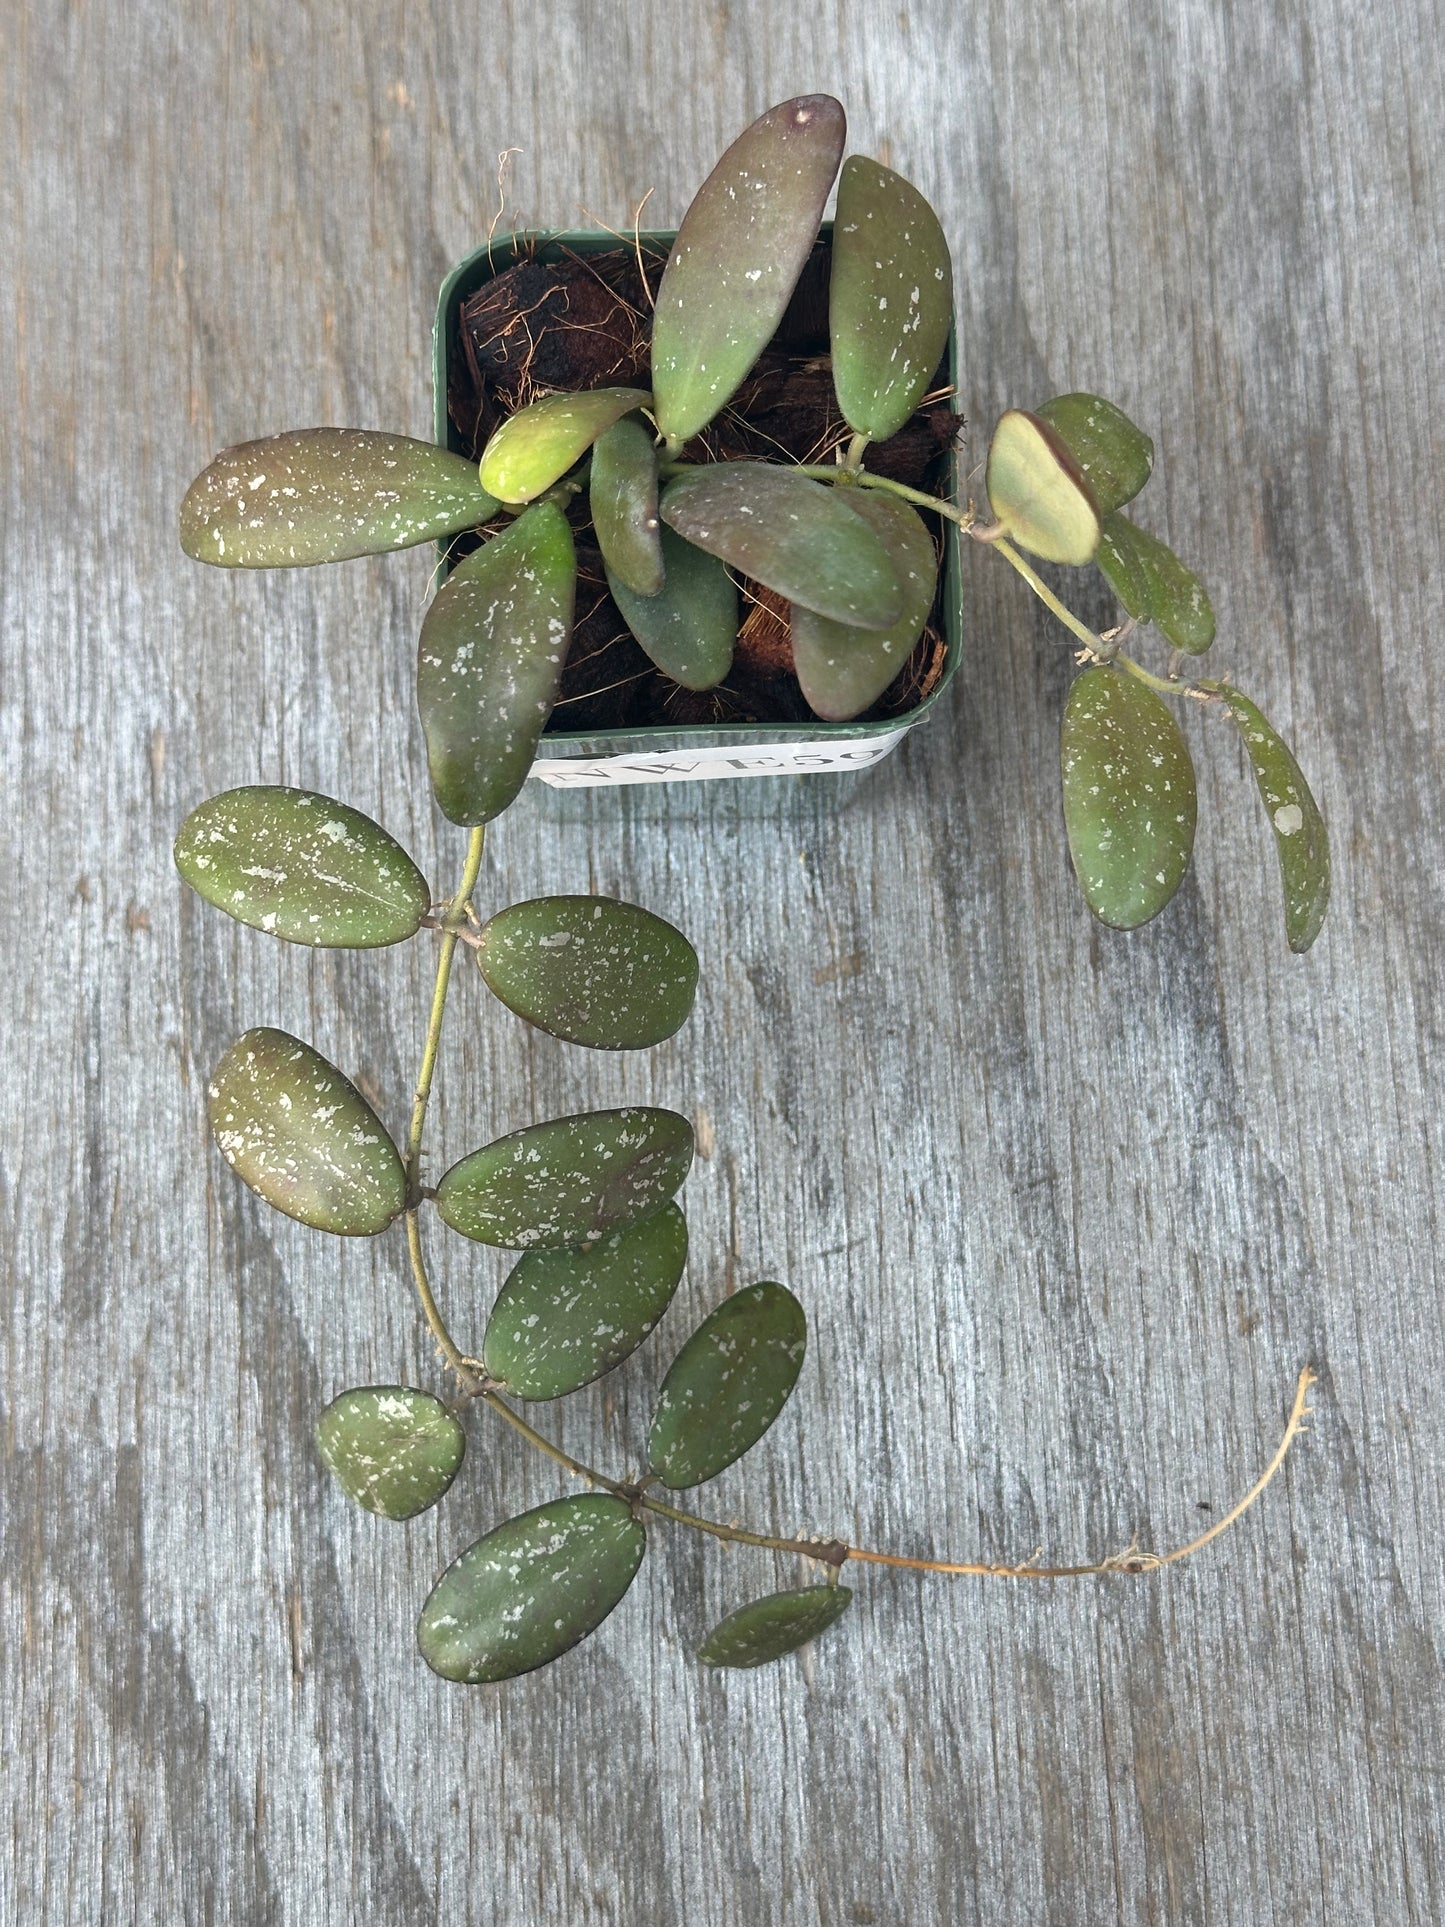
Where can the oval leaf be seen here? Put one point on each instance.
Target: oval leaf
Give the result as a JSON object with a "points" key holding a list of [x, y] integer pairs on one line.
{"points": [[569, 1181], [302, 867], [535, 447], [771, 1628], [489, 662], [890, 297], [1129, 798], [303, 1137], [623, 499], [1299, 830], [1117, 458], [392, 1449], [591, 970], [796, 536], [325, 495], [531, 1590], [727, 1384], [737, 258], [1154, 585], [1038, 490], [564, 1318], [842, 670], [689, 627]]}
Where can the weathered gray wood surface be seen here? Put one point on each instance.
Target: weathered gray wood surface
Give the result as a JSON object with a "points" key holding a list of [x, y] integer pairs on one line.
{"points": [[1068, 1211]]}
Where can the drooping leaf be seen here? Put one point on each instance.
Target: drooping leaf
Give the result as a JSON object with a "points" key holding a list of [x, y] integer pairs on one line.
{"points": [[771, 1628], [727, 1384], [325, 495], [623, 499], [842, 670], [798, 537], [302, 867], [489, 662], [391, 1448], [535, 447], [737, 258], [303, 1137], [1038, 490], [592, 970], [570, 1181], [689, 628], [531, 1589], [1300, 836], [890, 298], [1129, 797], [1154, 585], [564, 1318], [1117, 458]]}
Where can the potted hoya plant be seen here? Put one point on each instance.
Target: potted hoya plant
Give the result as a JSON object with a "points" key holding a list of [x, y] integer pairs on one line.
{"points": [[699, 510]]}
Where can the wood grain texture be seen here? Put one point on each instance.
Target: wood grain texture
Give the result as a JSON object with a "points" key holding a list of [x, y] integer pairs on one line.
{"points": [[1067, 1210]]}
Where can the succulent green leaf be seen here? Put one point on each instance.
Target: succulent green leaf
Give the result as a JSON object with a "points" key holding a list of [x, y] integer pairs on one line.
{"points": [[890, 298], [490, 659], [1117, 458], [325, 495], [689, 627], [303, 1137], [1299, 829], [623, 498], [727, 1384], [842, 670], [1038, 490], [300, 866], [771, 1628], [531, 1590], [564, 1318], [798, 537], [1154, 585], [570, 1181], [535, 447], [737, 258], [592, 970], [391, 1448], [1129, 797]]}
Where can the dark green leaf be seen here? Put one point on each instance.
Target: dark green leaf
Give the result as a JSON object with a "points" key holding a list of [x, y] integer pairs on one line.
{"points": [[570, 1181], [302, 867], [1117, 458], [531, 1589], [1154, 585], [1038, 490], [535, 447], [771, 1628], [1294, 816], [303, 1137], [842, 670], [727, 1384], [890, 299], [394, 1450], [325, 495], [591, 970], [623, 499], [489, 662], [737, 258], [689, 628], [1129, 797], [564, 1318], [796, 536]]}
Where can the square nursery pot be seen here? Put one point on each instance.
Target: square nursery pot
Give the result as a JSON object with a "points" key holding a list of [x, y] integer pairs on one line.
{"points": [[692, 751]]}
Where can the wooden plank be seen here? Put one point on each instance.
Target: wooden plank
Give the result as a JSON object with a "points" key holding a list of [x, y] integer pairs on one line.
{"points": [[1068, 1211]]}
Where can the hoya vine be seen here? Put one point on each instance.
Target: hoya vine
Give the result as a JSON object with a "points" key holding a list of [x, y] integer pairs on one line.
{"points": [[590, 1201]]}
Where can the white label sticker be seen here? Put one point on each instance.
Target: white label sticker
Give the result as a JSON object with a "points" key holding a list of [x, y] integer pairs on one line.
{"points": [[700, 766]]}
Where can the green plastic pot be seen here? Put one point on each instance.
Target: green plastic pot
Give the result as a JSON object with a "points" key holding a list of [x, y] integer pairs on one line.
{"points": [[684, 753]]}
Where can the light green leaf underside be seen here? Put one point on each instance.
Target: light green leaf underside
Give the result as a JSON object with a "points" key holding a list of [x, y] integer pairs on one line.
{"points": [[842, 670], [727, 1384], [392, 1449], [1038, 491]]}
